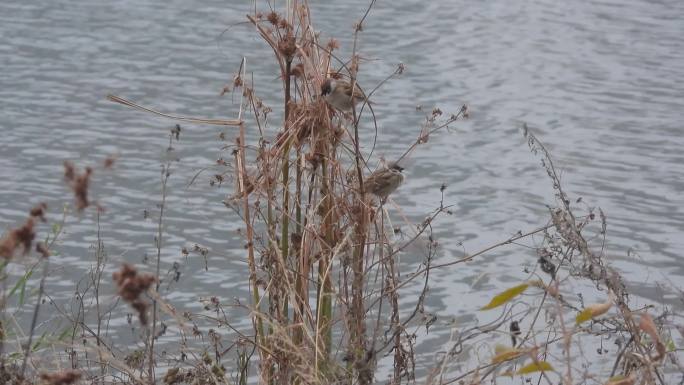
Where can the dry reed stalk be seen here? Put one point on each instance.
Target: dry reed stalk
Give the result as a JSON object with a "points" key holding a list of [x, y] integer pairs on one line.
{"points": [[334, 206], [324, 227], [165, 174]]}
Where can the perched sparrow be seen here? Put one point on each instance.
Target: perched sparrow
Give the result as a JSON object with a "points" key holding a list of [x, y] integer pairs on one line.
{"points": [[338, 93], [384, 181]]}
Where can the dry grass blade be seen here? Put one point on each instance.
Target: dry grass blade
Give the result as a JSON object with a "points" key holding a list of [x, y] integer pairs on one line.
{"points": [[215, 122]]}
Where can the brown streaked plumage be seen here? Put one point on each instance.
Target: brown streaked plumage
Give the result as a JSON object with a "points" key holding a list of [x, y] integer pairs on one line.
{"points": [[384, 181], [338, 93]]}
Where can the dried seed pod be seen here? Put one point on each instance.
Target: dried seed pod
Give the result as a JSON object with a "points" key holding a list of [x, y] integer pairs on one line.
{"points": [[547, 266], [39, 211], [514, 328], [131, 286], [288, 46], [64, 377], [21, 237]]}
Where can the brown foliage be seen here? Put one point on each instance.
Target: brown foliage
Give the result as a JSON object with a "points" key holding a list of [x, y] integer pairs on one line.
{"points": [[21, 237], [273, 18], [287, 46], [39, 211], [78, 183], [130, 287], [65, 377], [109, 161], [648, 326]]}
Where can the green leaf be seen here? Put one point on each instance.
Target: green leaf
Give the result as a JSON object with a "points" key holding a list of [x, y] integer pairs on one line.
{"points": [[506, 296], [539, 366], [22, 294], [39, 342], [56, 228], [68, 332], [21, 286], [671, 346], [622, 380]]}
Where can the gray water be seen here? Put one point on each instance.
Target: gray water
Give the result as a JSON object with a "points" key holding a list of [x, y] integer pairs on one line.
{"points": [[600, 82]]}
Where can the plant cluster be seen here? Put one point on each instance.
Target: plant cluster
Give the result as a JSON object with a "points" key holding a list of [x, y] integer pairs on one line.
{"points": [[322, 261]]}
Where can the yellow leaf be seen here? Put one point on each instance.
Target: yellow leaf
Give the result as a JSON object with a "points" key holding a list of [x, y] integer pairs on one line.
{"points": [[506, 296], [539, 366], [621, 380], [592, 311], [648, 326], [505, 354], [600, 308], [583, 316]]}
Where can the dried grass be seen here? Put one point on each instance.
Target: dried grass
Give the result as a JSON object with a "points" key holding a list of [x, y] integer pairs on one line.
{"points": [[322, 256]]}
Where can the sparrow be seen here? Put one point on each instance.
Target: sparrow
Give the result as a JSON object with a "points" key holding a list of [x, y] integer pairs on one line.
{"points": [[338, 93], [384, 181]]}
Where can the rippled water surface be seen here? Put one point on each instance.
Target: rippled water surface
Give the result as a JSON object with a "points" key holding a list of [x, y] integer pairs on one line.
{"points": [[601, 83]]}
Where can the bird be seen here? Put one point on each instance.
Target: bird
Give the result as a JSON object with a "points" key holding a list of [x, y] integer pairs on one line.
{"points": [[384, 181], [338, 93]]}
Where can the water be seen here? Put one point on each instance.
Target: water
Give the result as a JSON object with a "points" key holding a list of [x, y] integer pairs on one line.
{"points": [[601, 83]]}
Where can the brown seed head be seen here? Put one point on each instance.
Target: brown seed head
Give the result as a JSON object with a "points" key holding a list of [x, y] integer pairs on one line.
{"points": [[141, 307], [287, 46], [7, 245], [130, 283], [465, 111], [225, 90], [39, 211], [109, 161], [273, 18], [332, 44], [237, 81], [130, 287], [78, 183], [69, 171], [16, 238], [80, 187]]}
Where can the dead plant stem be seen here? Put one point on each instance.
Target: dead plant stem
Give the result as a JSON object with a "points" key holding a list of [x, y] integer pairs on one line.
{"points": [[34, 320], [166, 172]]}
